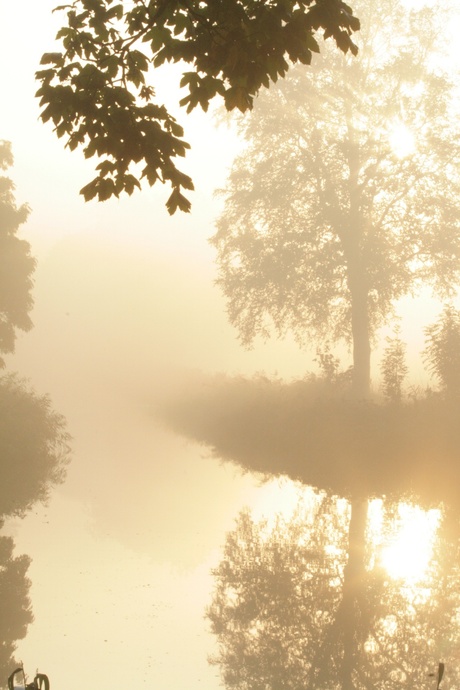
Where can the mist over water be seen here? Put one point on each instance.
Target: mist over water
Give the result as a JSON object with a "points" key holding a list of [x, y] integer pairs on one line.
{"points": [[136, 527], [108, 346]]}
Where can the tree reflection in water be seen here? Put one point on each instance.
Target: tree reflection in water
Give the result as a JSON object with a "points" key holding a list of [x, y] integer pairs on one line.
{"points": [[280, 615]]}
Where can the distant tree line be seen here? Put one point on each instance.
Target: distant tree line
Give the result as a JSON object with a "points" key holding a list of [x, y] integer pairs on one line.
{"points": [[34, 443]]}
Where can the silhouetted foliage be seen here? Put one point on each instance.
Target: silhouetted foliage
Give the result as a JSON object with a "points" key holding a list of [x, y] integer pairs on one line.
{"points": [[276, 608], [96, 93], [331, 214], [16, 263], [33, 446], [15, 608]]}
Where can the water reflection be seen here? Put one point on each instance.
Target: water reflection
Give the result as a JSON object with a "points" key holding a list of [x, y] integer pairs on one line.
{"points": [[280, 610]]}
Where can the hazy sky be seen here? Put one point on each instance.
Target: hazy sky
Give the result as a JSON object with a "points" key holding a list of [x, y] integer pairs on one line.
{"points": [[125, 308]]}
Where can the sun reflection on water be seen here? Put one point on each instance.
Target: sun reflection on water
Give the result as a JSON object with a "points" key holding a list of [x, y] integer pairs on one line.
{"points": [[405, 551]]}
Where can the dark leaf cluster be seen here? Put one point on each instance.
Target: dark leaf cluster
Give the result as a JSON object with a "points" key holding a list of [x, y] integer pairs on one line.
{"points": [[95, 90]]}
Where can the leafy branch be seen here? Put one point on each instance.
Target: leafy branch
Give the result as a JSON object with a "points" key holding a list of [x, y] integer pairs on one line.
{"points": [[94, 90]]}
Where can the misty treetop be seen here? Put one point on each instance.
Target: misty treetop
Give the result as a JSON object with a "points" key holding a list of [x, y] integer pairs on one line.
{"points": [[98, 91], [346, 197], [16, 263]]}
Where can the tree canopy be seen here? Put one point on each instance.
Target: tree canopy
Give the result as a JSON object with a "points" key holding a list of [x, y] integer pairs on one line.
{"points": [[346, 196], [98, 92], [16, 263]]}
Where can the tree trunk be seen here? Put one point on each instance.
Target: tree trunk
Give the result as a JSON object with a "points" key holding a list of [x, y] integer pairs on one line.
{"points": [[354, 572], [356, 265], [351, 609], [351, 606], [361, 342]]}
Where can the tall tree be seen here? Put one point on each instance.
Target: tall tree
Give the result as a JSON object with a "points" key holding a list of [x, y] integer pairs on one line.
{"points": [[344, 200], [96, 93], [16, 263], [345, 197], [277, 604]]}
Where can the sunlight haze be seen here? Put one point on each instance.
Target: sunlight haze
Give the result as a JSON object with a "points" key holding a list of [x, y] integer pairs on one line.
{"points": [[133, 341]]}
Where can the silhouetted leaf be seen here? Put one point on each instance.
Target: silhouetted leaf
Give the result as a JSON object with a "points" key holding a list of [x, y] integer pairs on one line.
{"points": [[177, 201]]}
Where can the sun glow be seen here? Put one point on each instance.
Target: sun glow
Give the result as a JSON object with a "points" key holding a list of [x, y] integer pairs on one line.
{"points": [[407, 553], [402, 140]]}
